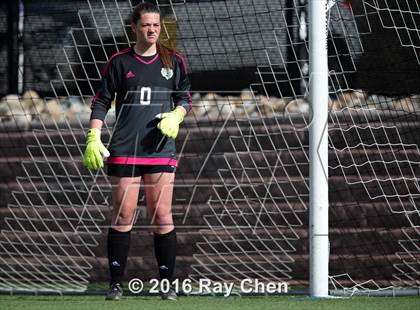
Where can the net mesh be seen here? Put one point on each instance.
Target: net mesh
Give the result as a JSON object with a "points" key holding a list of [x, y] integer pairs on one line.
{"points": [[242, 186]]}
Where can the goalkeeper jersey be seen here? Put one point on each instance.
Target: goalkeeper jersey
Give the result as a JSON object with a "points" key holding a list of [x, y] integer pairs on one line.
{"points": [[143, 89]]}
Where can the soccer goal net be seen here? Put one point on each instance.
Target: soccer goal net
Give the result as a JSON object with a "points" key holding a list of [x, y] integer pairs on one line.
{"points": [[241, 193]]}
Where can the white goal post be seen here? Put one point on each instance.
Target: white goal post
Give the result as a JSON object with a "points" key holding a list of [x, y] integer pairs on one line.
{"points": [[318, 149]]}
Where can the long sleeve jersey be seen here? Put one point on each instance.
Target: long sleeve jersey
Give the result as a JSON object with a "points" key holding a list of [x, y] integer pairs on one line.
{"points": [[143, 88]]}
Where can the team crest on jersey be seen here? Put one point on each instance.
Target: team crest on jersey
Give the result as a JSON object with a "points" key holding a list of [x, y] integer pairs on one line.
{"points": [[167, 73]]}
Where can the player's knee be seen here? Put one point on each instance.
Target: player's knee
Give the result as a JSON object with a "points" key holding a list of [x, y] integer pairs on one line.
{"points": [[124, 218], [163, 223], [162, 218]]}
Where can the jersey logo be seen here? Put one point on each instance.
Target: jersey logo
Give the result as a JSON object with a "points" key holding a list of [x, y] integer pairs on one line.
{"points": [[130, 75], [167, 73]]}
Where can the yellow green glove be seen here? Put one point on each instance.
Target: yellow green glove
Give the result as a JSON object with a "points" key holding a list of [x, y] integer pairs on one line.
{"points": [[95, 152], [169, 125]]}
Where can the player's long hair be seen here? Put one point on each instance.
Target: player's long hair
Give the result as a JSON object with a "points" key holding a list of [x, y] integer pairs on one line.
{"points": [[166, 53]]}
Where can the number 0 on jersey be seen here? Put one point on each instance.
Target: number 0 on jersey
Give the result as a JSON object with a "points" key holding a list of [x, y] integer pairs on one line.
{"points": [[145, 95]]}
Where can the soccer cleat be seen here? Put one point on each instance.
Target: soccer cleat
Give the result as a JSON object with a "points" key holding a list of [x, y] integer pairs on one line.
{"points": [[170, 295], [115, 292]]}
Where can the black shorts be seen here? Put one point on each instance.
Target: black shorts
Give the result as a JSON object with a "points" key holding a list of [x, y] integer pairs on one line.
{"points": [[136, 170]]}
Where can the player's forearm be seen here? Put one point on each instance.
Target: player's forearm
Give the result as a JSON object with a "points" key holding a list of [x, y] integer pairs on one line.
{"points": [[96, 123], [100, 108]]}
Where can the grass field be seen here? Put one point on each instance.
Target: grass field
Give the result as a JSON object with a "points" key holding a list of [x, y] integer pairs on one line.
{"points": [[210, 303]]}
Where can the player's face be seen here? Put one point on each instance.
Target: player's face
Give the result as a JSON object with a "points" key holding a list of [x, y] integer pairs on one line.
{"points": [[147, 29]]}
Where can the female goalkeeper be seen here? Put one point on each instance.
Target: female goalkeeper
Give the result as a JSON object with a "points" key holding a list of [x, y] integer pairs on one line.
{"points": [[151, 86]]}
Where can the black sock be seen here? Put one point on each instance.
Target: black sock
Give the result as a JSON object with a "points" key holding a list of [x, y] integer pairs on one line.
{"points": [[118, 246], [165, 252]]}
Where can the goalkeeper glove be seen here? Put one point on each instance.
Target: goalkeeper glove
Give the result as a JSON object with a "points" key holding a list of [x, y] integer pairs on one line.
{"points": [[95, 152], [169, 125]]}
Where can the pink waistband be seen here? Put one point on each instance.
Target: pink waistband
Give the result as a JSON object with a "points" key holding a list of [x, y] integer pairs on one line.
{"points": [[122, 160]]}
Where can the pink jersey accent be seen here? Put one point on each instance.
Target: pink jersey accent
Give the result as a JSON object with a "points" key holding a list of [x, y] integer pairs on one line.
{"points": [[186, 69], [190, 100], [123, 160], [105, 71], [143, 61], [184, 64], [347, 4], [130, 75], [94, 99]]}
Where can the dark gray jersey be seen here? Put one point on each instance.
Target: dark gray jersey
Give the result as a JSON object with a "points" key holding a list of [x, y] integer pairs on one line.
{"points": [[143, 89]]}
